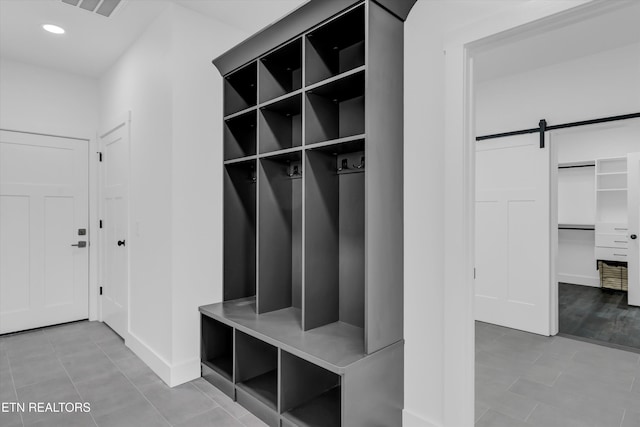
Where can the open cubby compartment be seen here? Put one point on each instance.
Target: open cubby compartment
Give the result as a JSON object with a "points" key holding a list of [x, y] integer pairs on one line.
{"points": [[612, 181], [336, 47], [281, 71], [612, 206], [615, 165], [217, 346], [257, 369], [334, 237], [335, 110], [280, 233], [240, 136], [241, 89], [240, 230], [281, 124], [310, 395]]}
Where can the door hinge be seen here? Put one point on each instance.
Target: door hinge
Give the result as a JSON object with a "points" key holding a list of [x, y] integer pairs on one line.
{"points": [[100, 223], [100, 290], [474, 272], [99, 156]]}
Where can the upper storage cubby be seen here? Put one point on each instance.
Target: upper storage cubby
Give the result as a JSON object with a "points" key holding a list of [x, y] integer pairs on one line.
{"points": [[336, 110], [281, 124], [241, 89], [281, 71], [240, 136], [336, 46]]}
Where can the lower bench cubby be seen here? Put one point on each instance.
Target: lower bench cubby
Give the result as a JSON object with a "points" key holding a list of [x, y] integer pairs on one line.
{"points": [[291, 378], [257, 377], [217, 354], [310, 395]]}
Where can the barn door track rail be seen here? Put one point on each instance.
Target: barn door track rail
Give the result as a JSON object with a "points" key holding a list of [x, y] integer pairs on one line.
{"points": [[544, 127]]}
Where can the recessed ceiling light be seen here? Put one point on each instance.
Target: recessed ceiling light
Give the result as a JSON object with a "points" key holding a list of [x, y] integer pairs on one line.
{"points": [[53, 29]]}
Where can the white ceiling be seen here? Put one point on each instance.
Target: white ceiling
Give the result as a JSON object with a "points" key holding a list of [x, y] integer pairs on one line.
{"points": [[92, 42], [247, 15], [619, 26]]}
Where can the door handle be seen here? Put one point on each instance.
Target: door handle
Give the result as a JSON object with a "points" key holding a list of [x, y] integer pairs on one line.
{"points": [[80, 244], [121, 243], [633, 237]]}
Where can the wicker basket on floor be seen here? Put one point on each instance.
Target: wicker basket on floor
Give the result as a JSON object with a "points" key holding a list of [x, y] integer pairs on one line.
{"points": [[613, 275]]}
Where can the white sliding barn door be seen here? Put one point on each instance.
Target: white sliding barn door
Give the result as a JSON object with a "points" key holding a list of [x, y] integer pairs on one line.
{"points": [[513, 268], [633, 206], [43, 206]]}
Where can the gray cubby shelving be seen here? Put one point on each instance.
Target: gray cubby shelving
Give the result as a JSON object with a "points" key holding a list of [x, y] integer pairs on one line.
{"points": [[335, 235], [281, 71], [241, 89], [281, 124], [240, 217], [310, 394], [280, 233], [309, 332], [336, 109], [240, 135], [257, 368], [336, 47]]}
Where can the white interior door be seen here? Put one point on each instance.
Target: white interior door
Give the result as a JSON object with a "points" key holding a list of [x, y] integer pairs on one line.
{"points": [[633, 206], [513, 243], [43, 204], [115, 241]]}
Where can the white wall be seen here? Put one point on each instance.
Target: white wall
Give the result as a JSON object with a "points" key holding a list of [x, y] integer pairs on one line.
{"points": [[140, 82], [174, 93], [197, 176], [43, 100], [599, 85]]}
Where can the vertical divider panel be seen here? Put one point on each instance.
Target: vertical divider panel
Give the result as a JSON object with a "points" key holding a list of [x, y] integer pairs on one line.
{"points": [[303, 221], [321, 293], [258, 150], [384, 179]]}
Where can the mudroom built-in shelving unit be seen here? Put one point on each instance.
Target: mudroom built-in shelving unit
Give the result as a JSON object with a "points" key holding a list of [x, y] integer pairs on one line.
{"points": [[309, 332]]}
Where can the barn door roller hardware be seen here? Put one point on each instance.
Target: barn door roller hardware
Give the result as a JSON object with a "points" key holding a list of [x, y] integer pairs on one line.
{"points": [[544, 127]]}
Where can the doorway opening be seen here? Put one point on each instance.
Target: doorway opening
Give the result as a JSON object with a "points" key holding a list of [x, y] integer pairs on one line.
{"points": [[542, 212]]}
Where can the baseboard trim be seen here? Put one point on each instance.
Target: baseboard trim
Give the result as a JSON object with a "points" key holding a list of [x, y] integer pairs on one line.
{"points": [[184, 372], [409, 419], [172, 375], [576, 279], [157, 363]]}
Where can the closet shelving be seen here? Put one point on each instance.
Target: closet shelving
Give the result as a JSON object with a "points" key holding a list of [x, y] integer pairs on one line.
{"points": [[312, 313], [611, 209]]}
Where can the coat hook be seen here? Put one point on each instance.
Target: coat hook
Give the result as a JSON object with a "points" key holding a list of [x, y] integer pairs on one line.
{"points": [[293, 171], [361, 165], [344, 165]]}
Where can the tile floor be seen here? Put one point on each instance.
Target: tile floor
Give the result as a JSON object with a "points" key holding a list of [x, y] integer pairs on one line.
{"points": [[528, 380], [521, 380], [87, 362]]}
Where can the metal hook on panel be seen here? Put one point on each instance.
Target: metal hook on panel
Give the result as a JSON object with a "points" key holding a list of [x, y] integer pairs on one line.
{"points": [[293, 171], [361, 165], [344, 165]]}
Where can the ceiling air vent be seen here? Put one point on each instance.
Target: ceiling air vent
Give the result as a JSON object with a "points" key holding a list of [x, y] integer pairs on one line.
{"points": [[101, 7]]}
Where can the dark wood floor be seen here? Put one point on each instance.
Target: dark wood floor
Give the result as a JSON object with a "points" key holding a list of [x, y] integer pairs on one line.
{"points": [[599, 314]]}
